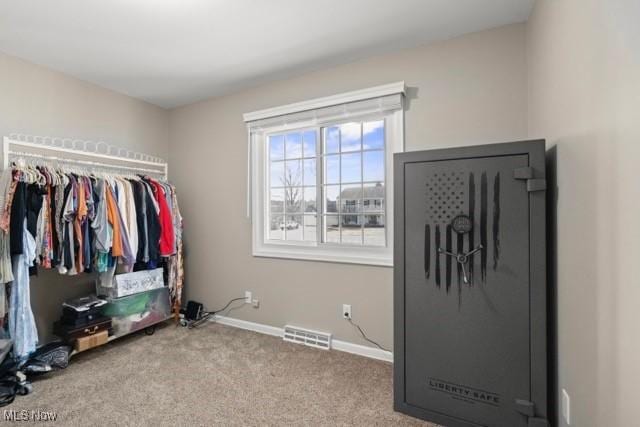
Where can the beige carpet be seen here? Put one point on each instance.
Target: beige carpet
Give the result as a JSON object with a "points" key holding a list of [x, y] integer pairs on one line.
{"points": [[216, 375]]}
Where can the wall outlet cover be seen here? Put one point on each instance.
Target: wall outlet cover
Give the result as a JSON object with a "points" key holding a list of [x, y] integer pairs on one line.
{"points": [[247, 297], [346, 311]]}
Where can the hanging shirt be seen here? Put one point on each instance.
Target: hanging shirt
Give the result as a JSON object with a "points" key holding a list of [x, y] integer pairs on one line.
{"points": [[87, 235], [114, 219], [45, 254], [131, 217], [18, 214], [7, 189], [40, 231], [78, 224], [69, 209], [153, 225], [34, 206], [60, 197], [128, 257], [141, 221], [167, 246], [168, 192], [6, 182], [100, 224]]}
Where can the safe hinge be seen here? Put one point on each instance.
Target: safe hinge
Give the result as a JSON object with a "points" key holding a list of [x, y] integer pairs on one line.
{"points": [[523, 173], [536, 184], [533, 184], [528, 408]]}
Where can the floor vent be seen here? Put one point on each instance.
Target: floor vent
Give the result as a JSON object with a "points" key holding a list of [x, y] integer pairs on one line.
{"points": [[307, 337]]}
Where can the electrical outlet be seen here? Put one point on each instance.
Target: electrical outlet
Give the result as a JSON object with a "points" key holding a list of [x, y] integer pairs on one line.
{"points": [[247, 297], [256, 303], [566, 407], [346, 311]]}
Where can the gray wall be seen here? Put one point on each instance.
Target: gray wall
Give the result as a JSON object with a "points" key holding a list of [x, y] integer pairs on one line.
{"points": [[584, 96], [38, 101], [468, 90]]}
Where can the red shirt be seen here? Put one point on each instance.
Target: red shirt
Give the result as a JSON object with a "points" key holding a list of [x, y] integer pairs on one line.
{"points": [[167, 236]]}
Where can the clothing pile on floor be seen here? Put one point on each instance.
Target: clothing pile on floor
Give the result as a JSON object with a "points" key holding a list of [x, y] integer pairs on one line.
{"points": [[15, 374]]}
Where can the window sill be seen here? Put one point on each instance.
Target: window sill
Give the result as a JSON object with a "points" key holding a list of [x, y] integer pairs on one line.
{"points": [[373, 257]]}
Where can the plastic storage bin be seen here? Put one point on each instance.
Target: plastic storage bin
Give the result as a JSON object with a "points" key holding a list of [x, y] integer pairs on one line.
{"points": [[135, 312]]}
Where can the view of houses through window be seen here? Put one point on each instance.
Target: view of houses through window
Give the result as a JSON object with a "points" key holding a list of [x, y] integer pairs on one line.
{"points": [[341, 166]]}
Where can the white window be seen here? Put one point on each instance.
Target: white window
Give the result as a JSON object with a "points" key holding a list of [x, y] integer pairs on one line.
{"points": [[320, 177]]}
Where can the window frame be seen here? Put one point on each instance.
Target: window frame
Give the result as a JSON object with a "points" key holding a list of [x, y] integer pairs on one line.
{"points": [[317, 250]]}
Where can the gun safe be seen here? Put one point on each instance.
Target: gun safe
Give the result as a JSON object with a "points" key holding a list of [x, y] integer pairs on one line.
{"points": [[470, 285]]}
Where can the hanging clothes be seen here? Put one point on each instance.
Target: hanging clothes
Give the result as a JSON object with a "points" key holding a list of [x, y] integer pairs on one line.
{"points": [[44, 250], [18, 214], [7, 187], [102, 229], [167, 237], [77, 224], [152, 255], [68, 265], [141, 221], [22, 325], [176, 263], [113, 217], [131, 217]]}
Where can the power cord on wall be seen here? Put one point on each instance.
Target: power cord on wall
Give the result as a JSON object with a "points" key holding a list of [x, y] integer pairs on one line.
{"points": [[228, 304], [365, 335]]}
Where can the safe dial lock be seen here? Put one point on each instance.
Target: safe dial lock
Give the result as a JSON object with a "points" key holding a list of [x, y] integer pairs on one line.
{"points": [[462, 259]]}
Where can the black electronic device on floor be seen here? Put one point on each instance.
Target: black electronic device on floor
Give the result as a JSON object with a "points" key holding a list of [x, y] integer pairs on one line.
{"points": [[194, 310], [194, 315], [470, 297]]}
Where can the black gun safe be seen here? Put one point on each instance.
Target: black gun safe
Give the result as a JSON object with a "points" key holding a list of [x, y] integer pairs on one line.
{"points": [[470, 285]]}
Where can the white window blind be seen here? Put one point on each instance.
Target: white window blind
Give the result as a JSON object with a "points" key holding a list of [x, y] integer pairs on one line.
{"points": [[345, 220]]}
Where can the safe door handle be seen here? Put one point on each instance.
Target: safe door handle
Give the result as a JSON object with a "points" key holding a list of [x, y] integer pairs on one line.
{"points": [[462, 259]]}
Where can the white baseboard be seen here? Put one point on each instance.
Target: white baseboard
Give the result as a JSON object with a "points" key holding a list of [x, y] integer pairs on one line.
{"points": [[250, 326], [362, 350], [348, 347]]}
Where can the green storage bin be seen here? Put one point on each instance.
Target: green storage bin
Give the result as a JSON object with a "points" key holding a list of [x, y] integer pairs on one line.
{"points": [[139, 311], [128, 305]]}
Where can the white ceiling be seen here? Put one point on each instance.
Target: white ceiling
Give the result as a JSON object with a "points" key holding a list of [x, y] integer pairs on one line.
{"points": [[173, 52]]}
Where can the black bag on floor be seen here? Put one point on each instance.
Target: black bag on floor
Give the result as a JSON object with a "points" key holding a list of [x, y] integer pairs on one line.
{"points": [[55, 354], [10, 384]]}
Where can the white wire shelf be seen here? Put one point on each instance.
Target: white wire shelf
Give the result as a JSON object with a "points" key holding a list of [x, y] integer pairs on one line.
{"points": [[18, 146]]}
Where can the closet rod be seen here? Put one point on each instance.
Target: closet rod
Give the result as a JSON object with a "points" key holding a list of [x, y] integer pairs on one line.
{"points": [[20, 154]]}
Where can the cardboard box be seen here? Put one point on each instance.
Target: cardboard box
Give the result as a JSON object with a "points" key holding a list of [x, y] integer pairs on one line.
{"points": [[91, 341]]}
